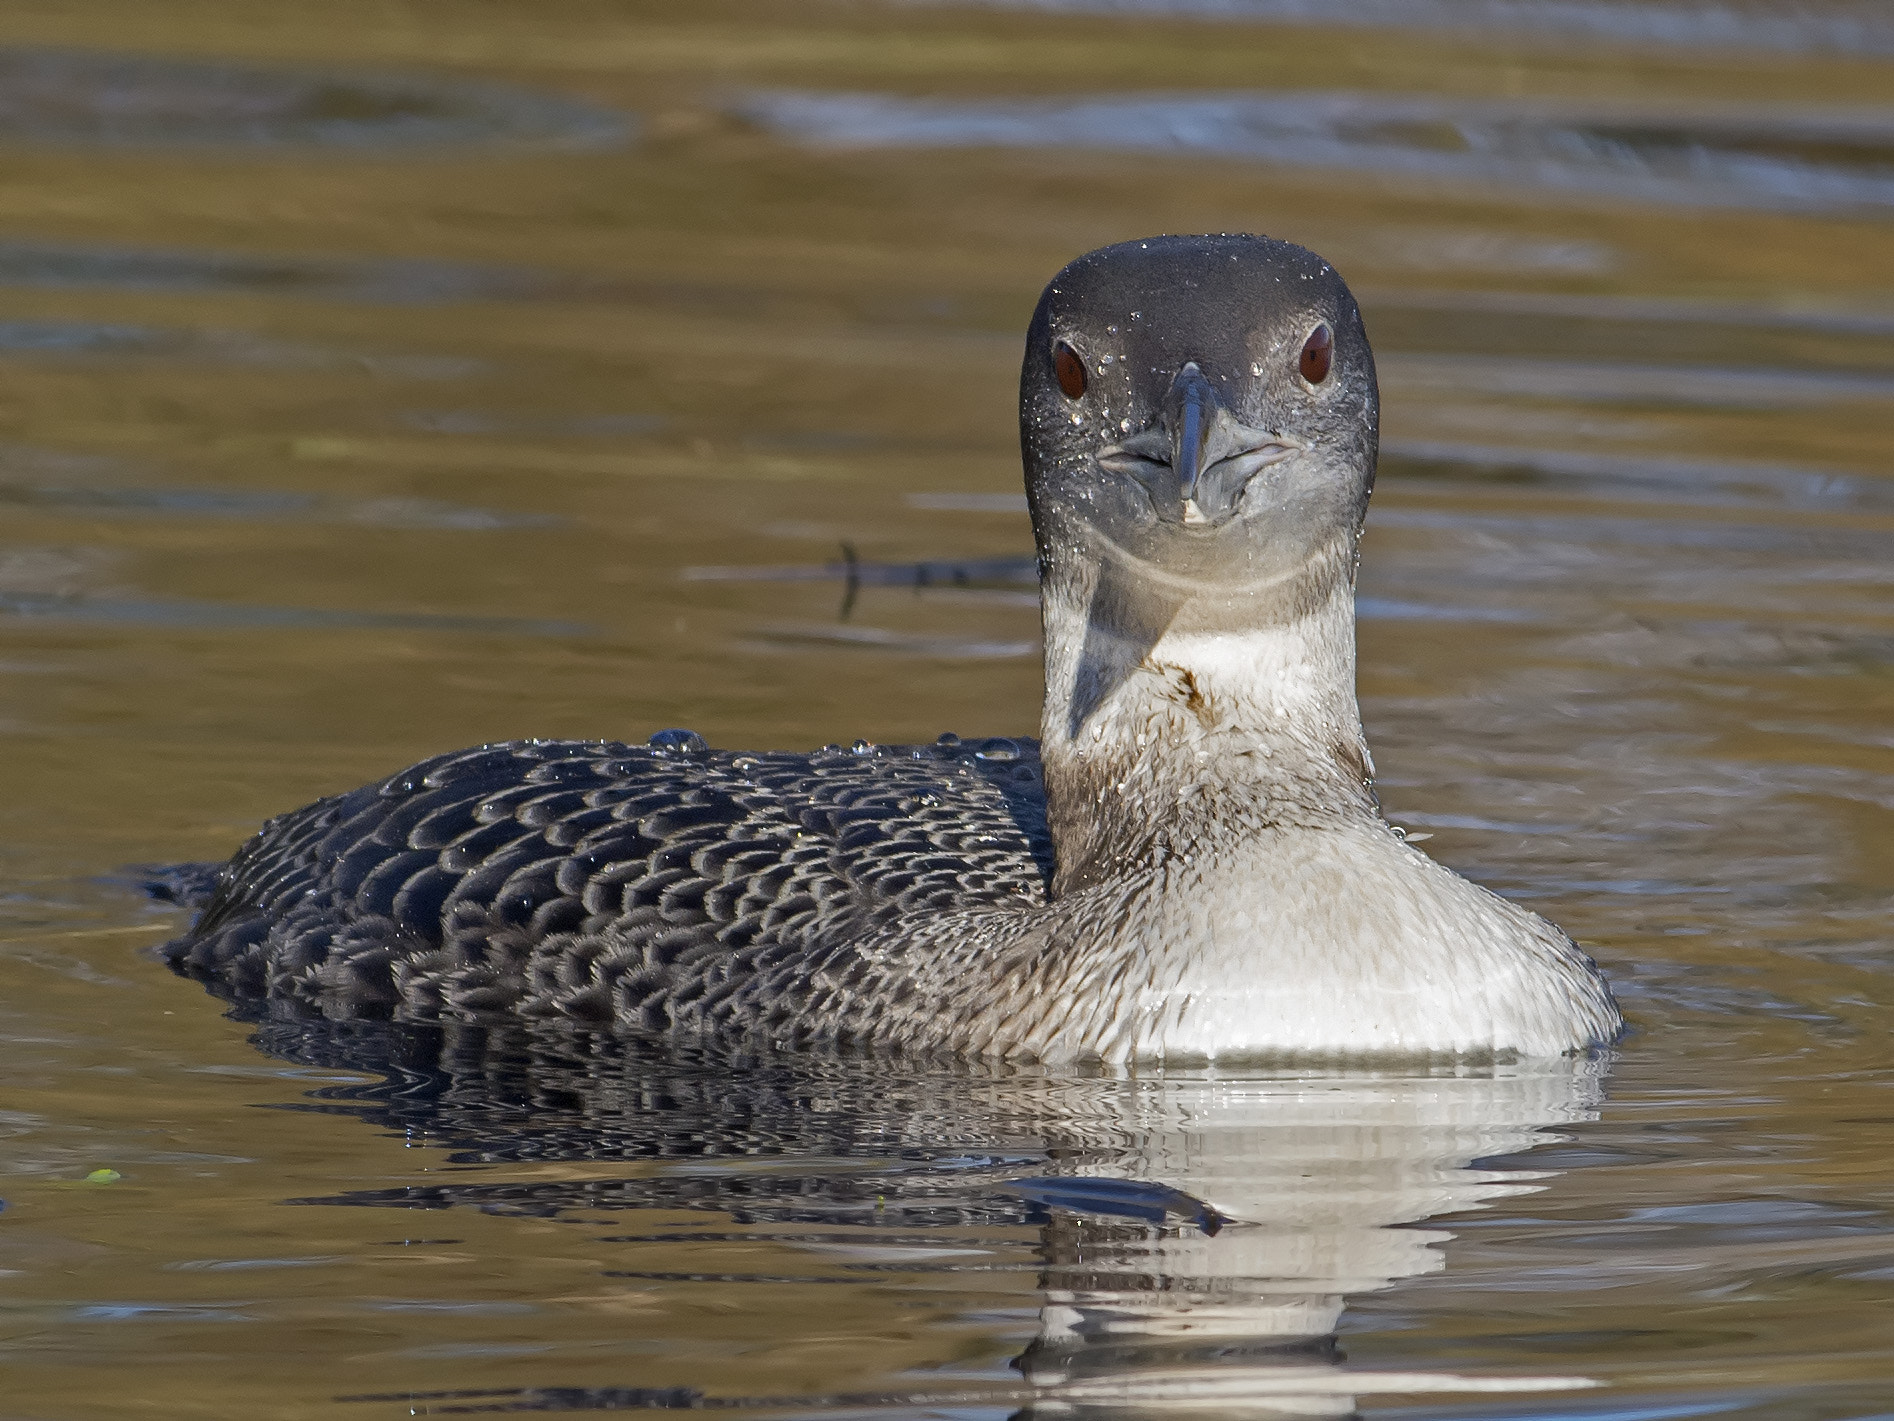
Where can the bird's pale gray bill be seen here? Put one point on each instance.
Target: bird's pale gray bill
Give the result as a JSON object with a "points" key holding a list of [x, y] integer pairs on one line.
{"points": [[1198, 458]]}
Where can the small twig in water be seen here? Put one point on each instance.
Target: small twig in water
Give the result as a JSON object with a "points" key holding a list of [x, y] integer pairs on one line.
{"points": [[852, 583]]}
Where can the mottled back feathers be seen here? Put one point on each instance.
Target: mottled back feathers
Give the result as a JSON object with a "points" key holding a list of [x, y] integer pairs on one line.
{"points": [[656, 885]]}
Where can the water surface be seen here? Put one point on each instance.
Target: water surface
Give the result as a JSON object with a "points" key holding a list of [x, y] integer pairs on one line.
{"points": [[379, 380]]}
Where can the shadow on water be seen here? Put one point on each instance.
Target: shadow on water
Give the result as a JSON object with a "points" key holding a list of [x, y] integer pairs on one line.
{"points": [[1191, 1239]]}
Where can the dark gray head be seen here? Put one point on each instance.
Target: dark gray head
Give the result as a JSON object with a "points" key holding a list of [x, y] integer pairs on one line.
{"points": [[1200, 408]]}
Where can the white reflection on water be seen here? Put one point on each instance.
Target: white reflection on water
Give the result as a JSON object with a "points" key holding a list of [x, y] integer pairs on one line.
{"points": [[1750, 24], [1318, 1173], [1710, 156]]}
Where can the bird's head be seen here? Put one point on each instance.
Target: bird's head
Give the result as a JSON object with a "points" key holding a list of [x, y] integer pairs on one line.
{"points": [[1200, 410]]}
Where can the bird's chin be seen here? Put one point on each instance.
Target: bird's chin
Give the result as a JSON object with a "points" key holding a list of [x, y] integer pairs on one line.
{"points": [[1194, 559], [1259, 545]]}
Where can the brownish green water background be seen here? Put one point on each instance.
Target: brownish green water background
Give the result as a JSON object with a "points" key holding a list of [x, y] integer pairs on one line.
{"points": [[390, 375]]}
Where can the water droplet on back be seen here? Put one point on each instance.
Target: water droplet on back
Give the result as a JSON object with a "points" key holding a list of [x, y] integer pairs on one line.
{"points": [[678, 742]]}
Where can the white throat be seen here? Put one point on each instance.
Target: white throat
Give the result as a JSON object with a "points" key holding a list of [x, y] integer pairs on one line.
{"points": [[1171, 738]]}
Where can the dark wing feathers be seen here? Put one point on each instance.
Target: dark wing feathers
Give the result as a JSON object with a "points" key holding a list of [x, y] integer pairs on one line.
{"points": [[599, 880]]}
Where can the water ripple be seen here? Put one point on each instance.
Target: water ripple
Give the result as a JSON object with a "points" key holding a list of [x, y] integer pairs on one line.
{"points": [[1734, 387], [141, 101], [222, 616], [1707, 482], [57, 339], [394, 281]]}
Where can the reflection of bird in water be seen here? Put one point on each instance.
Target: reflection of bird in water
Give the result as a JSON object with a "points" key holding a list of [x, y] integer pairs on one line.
{"points": [[1190, 864], [1221, 1221]]}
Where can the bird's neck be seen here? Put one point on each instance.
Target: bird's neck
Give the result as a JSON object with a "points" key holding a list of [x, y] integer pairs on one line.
{"points": [[1185, 723]]}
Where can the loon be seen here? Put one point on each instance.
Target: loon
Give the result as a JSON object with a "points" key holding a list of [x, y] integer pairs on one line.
{"points": [[1189, 864]]}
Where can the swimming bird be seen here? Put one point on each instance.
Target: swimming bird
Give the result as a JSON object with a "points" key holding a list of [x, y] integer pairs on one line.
{"points": [[1190, 863]]}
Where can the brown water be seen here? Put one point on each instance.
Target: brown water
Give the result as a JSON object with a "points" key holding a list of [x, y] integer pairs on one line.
{"points": [[378, 378]]}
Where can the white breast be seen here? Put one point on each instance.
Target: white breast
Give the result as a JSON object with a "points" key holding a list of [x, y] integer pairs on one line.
{"points": [[1346, 942]]}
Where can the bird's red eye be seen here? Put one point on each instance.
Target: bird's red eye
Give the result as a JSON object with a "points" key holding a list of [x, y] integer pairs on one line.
{"points": [[1318, 353], [1069, 369]]}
